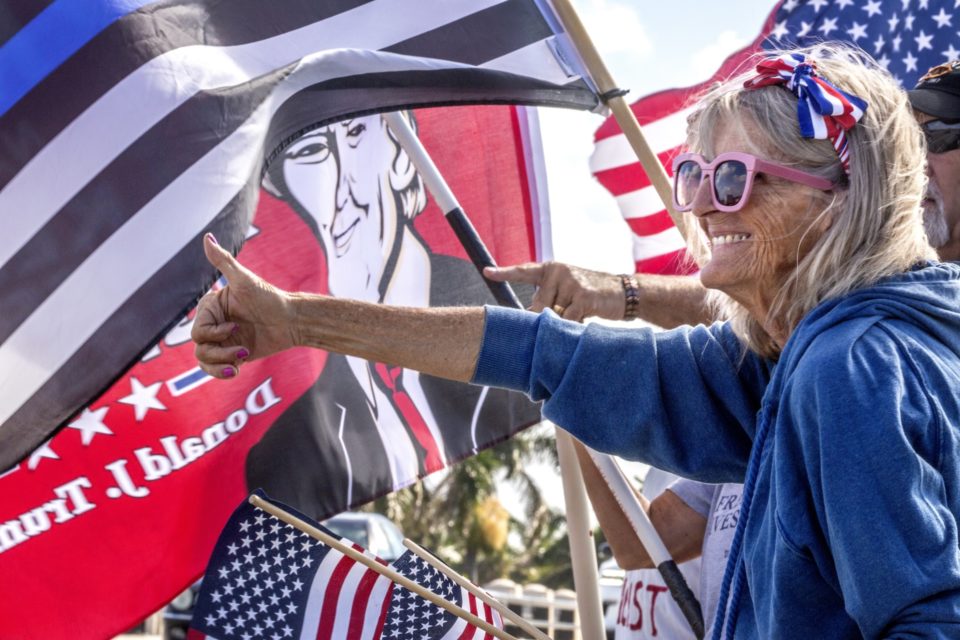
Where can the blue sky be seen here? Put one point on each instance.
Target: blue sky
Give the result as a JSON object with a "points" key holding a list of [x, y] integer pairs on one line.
{"points": [[648, 45]]}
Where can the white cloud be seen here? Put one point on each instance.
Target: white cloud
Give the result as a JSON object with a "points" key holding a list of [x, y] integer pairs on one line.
{"points": [[615, 27], [705, 62]]}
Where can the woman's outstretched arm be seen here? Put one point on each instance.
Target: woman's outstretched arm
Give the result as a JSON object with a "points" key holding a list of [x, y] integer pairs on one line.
{"points": [[250, 319]]}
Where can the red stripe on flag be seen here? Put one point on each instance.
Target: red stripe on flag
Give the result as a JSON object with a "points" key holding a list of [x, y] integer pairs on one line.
{"points": [[673, 263], [521, 151], [328, 612], [193, 634], [469, 630], [632, 177], [649, 225], [360, 603], [656, 106], [488, 616]]}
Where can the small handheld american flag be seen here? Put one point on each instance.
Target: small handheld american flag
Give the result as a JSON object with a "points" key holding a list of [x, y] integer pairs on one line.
{"points": [[269, 580]]}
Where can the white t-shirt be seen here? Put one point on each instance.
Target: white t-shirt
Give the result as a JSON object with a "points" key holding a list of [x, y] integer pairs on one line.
{"points": [[647, 610], [720, 505]]}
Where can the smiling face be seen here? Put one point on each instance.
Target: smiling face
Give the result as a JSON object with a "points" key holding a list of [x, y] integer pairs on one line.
{"points": [[754, 249], [340, 175]]}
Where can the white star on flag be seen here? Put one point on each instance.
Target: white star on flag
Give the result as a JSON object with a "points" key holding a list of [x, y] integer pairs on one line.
{"points": [[857, 31], [910, 61], [143, 398], [41, 452], [90, 423], [873, 8]]}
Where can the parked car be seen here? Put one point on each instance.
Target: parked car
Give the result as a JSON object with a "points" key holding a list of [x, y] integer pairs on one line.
{"points": [[372, 531]]}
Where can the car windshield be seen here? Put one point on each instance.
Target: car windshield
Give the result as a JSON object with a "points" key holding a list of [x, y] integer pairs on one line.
{"points": [[353, 530]]}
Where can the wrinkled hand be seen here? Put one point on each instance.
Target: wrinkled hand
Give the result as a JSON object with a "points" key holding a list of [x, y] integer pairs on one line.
{"points": [[572, 292], [247, 319]]}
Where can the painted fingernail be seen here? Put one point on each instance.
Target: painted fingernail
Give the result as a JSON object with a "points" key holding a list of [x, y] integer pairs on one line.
{"points": [[236, 328], [229, 372], [212, 238], [242, 354]]}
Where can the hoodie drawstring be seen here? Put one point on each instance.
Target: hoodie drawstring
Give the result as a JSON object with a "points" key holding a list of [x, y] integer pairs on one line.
{"points": [[736, 570]]}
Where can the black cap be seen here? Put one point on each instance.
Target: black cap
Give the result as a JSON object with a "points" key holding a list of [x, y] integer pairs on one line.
{"points": [[938, 92]]}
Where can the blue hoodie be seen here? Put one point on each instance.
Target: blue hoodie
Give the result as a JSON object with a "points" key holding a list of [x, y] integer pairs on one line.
{"points": [[855, 486]]}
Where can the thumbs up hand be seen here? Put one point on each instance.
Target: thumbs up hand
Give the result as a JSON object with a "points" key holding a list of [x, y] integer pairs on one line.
{"points": [[247, 319]]}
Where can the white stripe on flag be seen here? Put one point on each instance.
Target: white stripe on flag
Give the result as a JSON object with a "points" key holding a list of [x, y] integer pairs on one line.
{"points": [[536, 181], [346, 598], [537, 55], [375, 609], [640, 203], [460, 625], [96, 289], [657, 244], [662, 135], [317, 594], [470, 603], [372, 606], [135, 104]]}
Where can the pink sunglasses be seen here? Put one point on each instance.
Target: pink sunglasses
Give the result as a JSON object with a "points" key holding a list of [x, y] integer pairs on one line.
{"points": [[731, 176]]}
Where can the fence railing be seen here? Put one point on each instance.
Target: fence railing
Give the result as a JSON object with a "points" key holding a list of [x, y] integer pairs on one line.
{"points": [[553, 612]]}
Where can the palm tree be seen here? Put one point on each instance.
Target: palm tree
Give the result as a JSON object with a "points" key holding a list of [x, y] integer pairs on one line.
{"points": [[460, 517]]}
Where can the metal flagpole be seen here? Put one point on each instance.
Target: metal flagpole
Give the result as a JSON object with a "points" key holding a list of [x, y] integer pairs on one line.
{"points": [[582, 550]]}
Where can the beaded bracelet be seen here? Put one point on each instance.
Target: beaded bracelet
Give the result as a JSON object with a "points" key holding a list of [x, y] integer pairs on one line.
{"points": [[631, 291]]}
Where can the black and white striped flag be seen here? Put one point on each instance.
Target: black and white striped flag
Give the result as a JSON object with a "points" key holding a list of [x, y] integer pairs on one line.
{"points": [[129, 128]]}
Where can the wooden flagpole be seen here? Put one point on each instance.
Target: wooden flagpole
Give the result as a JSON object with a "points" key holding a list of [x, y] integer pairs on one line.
{"points": [[613, 97], [483, 596], [385, 571], [582, 550]]}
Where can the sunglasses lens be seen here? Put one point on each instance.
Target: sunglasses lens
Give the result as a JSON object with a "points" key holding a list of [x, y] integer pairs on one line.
{"points": [[686, 182], [729, 182]]}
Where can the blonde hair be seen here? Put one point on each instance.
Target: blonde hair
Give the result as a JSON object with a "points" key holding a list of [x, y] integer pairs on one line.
{"points": [[876, 225]]}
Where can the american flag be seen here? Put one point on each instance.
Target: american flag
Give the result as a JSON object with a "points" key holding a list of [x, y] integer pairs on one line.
{"points": [[906, 37], [269, 580], [131, 128], [412, 618]]}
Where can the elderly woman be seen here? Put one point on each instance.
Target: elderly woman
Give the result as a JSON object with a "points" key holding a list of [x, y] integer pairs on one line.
{"points": [[830, 391]]}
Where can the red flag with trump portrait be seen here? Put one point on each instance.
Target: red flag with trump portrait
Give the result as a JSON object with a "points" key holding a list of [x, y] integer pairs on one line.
{"points": [[120, 510], [142, 124]]}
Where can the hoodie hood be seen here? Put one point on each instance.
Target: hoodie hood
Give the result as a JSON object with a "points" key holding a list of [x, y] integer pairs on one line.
{"points": [[926, 297]]}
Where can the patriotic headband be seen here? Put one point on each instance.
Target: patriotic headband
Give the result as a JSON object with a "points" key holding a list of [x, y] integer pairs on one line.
{"points": [[824, 111]]}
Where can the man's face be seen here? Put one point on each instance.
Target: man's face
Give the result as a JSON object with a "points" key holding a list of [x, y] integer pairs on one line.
{"points": [[341, 175], [942, 202]]}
